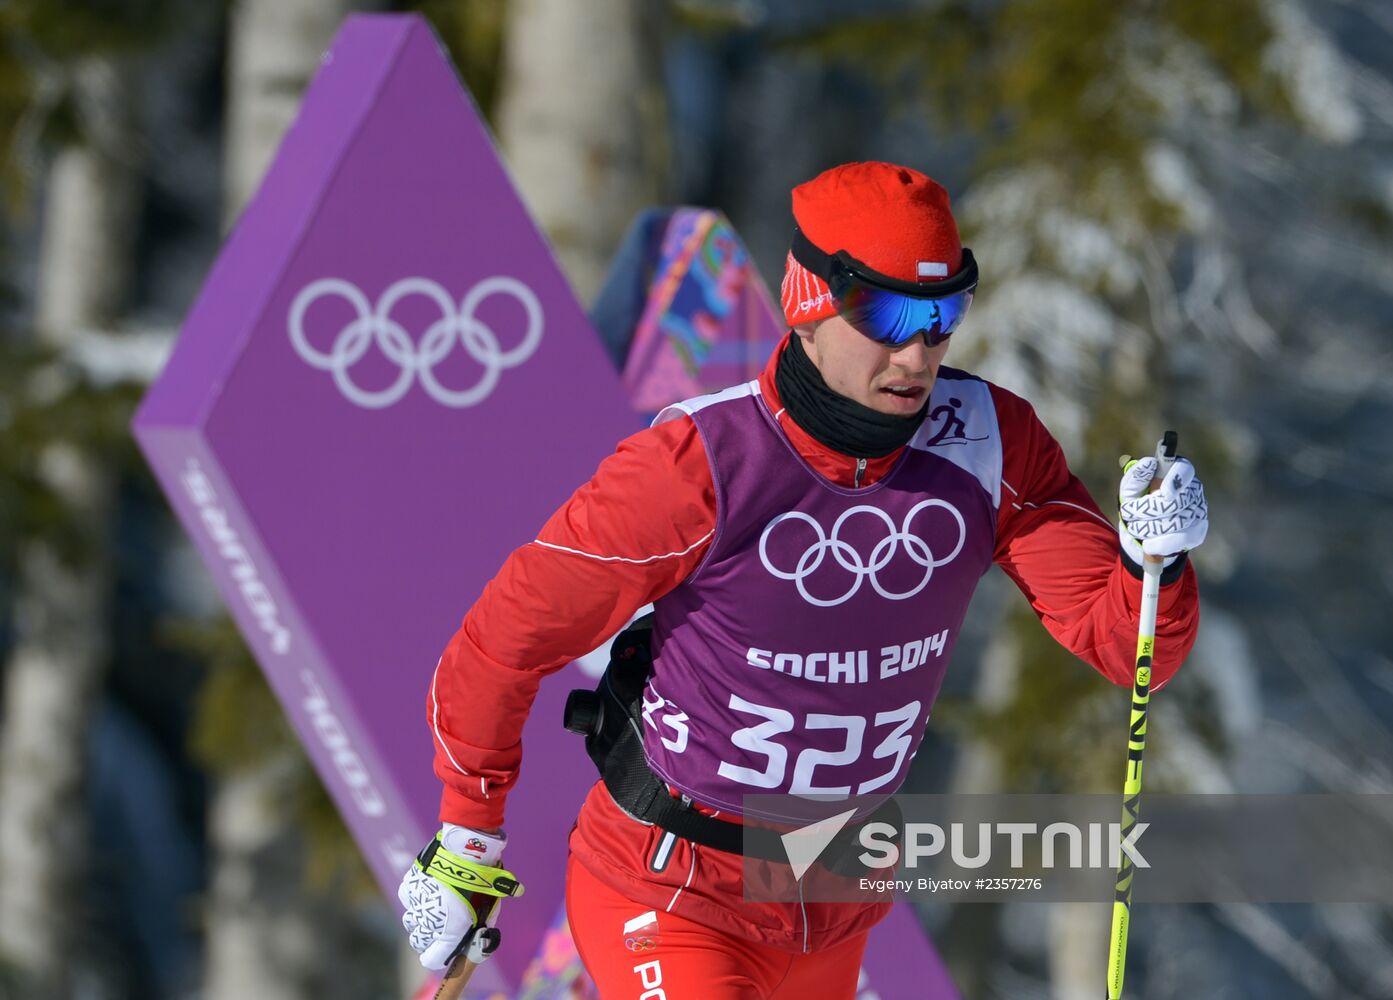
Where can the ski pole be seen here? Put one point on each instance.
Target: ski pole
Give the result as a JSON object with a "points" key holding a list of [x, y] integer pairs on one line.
{"points": [[461, 970], [1136, 736], [456, 978]]}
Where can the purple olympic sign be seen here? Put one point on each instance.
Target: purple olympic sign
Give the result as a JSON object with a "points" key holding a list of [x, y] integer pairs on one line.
{"points": [[384, 387]]}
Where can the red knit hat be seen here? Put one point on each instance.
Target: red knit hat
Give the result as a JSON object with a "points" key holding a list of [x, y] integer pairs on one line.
{"points": [[893, 219]]}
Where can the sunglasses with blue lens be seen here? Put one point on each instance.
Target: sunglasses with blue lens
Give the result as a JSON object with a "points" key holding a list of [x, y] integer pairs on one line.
{"points": [[885, 309]]}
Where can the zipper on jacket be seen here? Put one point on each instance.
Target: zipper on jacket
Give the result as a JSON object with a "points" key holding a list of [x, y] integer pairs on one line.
{"points": [[803, 909], [860, 471]]}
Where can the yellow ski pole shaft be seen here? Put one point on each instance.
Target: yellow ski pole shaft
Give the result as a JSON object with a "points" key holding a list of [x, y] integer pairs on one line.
{"points": [[1136, 740]]}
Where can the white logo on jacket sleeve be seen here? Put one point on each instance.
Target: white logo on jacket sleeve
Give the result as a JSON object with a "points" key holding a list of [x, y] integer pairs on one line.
{"points": [[846, 556], [374, 325]]}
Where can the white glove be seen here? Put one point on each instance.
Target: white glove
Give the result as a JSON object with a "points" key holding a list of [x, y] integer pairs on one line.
{"points": [[1172, 520], [437, 917]]}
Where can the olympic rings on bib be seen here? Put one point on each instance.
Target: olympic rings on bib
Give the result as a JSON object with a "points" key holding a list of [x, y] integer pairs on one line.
{"points": [[375, 326], [849, 559]]}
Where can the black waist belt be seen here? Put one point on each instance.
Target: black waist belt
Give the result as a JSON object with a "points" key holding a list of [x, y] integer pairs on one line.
{"points": [[647, 798]]}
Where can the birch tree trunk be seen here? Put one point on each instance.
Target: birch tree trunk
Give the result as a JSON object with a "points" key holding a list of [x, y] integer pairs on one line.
{"points": [[971, 940], [579, 120], [1077, 949], [273, 52], [61, 607], [260, 940]]}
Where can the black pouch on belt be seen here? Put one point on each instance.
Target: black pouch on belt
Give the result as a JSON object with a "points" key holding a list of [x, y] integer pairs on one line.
{"points": [[603, 716]]}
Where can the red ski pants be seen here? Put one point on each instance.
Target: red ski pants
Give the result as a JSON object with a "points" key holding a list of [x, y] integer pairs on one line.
{"points": [[634, 952]]}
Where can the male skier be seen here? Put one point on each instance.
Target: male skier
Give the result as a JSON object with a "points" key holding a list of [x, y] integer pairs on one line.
{"points": [[810, 541]]}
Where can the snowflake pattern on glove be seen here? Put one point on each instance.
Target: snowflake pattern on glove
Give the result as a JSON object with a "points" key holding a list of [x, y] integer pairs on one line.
{"points": [[1173, 519], [426, 910], [1155, 514], [436, 918]]}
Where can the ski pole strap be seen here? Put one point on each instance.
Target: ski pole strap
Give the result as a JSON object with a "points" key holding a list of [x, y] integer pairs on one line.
{"points": [[464, 875]]}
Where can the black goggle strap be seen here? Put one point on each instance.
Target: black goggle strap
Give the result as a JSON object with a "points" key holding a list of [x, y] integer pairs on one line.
{"points": [[832, 268], [466, 876]]}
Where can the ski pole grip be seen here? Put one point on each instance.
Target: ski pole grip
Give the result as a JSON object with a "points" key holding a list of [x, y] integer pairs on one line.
{"points": [[1165, 458], [461, 970]]}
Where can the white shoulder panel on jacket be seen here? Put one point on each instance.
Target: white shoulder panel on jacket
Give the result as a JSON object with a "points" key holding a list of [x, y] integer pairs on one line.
{"points": [[689, 406]]}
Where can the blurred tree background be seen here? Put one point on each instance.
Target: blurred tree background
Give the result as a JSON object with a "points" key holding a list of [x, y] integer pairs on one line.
{"points": [[1184, 216]]}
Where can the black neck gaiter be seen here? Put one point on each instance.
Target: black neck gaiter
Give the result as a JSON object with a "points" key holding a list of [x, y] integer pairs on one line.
{"points": [[831, 418]]}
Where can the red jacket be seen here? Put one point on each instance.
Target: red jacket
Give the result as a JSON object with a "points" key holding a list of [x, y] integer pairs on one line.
{"points": [[644, 522]]}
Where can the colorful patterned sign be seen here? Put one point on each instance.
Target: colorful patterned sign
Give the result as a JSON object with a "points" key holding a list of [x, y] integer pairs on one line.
{"points": [[709, 322]]}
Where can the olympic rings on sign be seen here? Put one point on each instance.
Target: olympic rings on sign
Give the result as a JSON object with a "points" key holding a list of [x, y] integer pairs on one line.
{"points": [[849, 559], [375, 326]]}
